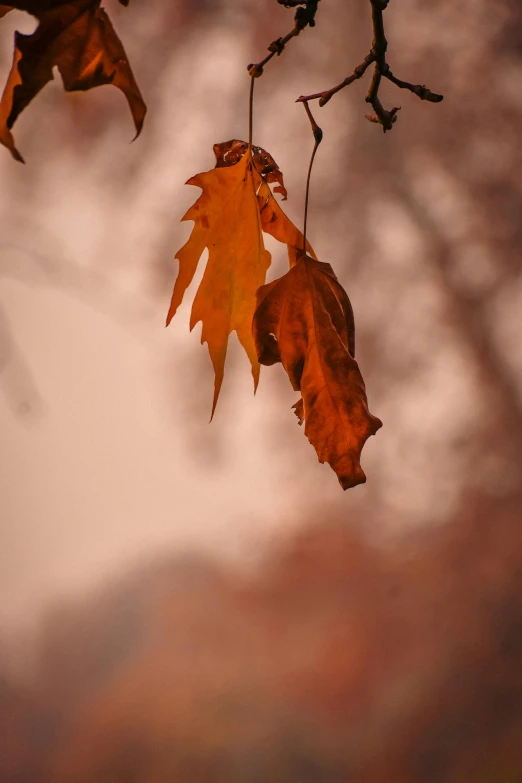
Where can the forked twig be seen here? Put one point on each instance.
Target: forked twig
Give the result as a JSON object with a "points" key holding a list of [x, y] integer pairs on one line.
{"points": [[377, 56]]}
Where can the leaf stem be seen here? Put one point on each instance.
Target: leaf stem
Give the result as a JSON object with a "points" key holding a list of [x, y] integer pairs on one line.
{"points": [[318, 136], [251, 111]]}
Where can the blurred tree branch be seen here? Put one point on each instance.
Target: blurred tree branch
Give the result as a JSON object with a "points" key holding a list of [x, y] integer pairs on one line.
{"points": [[473, 327], [86, 285], [17, 379]]}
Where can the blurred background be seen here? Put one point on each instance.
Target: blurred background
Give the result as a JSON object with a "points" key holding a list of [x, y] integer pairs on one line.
{"points": [[185, 601]]}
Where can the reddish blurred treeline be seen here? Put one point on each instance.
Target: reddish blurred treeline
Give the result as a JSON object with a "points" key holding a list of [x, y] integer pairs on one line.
{"points": [[337, 662]]}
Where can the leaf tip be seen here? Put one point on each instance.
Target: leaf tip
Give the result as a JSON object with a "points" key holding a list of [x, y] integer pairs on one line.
{"points": [[7, 140], [214, 404], [217, 386], [375, 423], [171, 313], [353, 480]]}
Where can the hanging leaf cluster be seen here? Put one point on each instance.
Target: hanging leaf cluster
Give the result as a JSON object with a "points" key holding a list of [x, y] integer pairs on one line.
{"points": [[303, 320]]}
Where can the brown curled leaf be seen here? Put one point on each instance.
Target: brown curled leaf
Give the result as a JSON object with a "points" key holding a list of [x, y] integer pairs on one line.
{"points": [[78, 38], [305, 320]]}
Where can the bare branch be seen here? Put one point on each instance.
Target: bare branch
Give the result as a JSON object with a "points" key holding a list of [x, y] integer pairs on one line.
{"points": [[377, 56]]}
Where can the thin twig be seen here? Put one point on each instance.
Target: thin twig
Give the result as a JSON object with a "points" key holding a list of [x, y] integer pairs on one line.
{"points": [[304, 17], [325, 96], [318, 136], [377, 56]]}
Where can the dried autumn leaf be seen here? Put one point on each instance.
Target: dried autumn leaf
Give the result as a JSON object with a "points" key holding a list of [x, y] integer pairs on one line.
{"points": [[235, 207], [227, 222], [305, 320], [77, 37]]}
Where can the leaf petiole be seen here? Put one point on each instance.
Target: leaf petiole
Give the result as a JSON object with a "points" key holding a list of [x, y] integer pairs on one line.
{"points": [[318, 136], [251, 111]]}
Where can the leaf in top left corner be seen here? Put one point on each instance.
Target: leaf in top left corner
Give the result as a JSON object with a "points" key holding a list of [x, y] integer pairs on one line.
{"points": [[76, 36]]}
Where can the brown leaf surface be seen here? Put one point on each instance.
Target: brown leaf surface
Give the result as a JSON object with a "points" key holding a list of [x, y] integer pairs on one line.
{"points": [[77, 37], [305, 320], [235, 207]]}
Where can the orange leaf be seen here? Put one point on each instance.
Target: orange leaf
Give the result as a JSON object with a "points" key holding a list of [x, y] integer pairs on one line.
{"points": [[77, 37], [227, 222], [305, 320], [236, 205]]}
